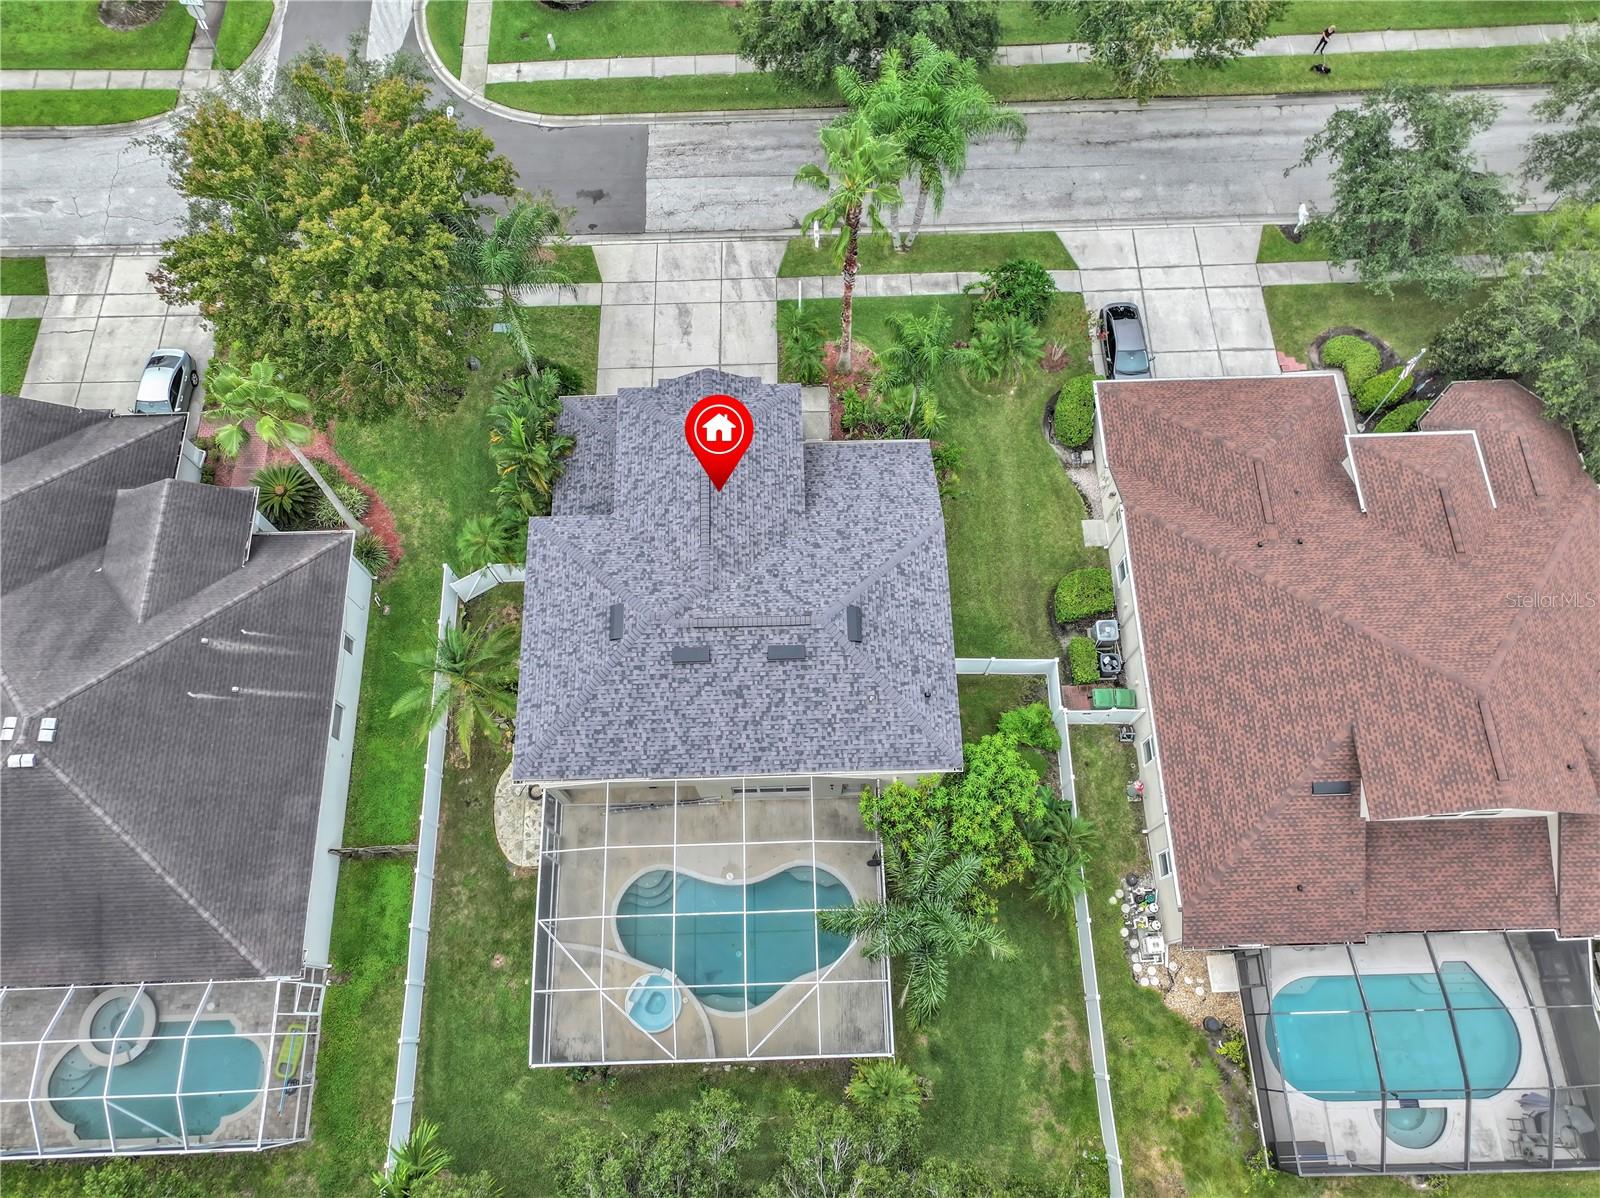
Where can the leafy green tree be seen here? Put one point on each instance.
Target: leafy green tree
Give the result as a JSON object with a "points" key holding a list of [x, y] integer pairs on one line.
{"points": [[1062, 846], [802, 41], [837, 1150], [700, 1154], [415, 1161], [934, 108], [1133, 38], [320, 224], [1568, 159], [489, 539], [927, 921], [517, 250], [478, 668], [529, 454], [1003, 347], [886, 1089], [1407, 191], [1541, 324], [239, 402], [917, 353], [861, 178], [1032, 724]]}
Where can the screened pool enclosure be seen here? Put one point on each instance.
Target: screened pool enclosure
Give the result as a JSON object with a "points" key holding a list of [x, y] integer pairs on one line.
{"points": [[1426, 1053], [163, 1067], [677, 921]]}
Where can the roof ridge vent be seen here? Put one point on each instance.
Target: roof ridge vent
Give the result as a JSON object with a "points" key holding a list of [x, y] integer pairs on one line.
{"points": [[614, 622], [786, 652], [1502, 771], [683, 655], [852, 622]]}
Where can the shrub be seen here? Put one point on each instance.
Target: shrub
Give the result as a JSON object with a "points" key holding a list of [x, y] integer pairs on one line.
{"points": [[1075, 412], [286, 493], [1356, 356], [1084, 660], [325, 515], [1003, 347], [886, 1089], [1232, 1049], [1062, 846], [1084, 593], [1403, 418], [801, 339], [371, 553], [1370, 396], [1020, 287], [1032, 725]]}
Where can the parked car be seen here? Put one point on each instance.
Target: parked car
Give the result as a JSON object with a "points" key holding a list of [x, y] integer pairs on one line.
{"points": [[167, 384], [1127, 353]]}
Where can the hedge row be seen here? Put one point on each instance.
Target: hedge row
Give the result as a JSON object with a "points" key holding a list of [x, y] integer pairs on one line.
{"points": [[1084, 660], [1084, 593], [1369, 397], [1357, 357], [1402, 419], [1075, 412]]}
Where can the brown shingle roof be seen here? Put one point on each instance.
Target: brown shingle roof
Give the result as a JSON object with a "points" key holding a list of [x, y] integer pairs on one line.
{"points": [[1435, 648]]}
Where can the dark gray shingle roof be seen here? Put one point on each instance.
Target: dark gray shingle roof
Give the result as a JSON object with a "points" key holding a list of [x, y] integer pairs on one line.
{"points": [[167, 831], [800, 533]]}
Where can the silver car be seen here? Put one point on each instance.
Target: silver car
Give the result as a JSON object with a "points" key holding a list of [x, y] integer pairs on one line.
{"points": [[1127, 355], [168, 383]]}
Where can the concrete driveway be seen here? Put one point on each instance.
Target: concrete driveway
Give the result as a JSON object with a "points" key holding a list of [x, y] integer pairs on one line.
{"points": [[1197, 286], [99, 323]]}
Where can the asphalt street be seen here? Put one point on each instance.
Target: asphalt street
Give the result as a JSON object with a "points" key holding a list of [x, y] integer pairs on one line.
{"points": [[1088, 162]]}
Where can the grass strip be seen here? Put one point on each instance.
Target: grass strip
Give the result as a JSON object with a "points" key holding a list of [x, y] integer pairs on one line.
{"points": [[1522, 231], [68, 35], [23, 276], [17, 336], [447, 29], [579, 263], [1066, 81], [932, 252], [244, 23], [1407, 320], [23, 109]]}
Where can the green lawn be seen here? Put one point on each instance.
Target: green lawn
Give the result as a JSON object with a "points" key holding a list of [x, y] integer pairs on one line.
{"points": [[67, 35], [243, 24], [1408, 320], [17, 336], [932, 252], [1067, 81], [23, 276], [447, 29], [612, 28], [578, 261], [1522, 232], [109, 107]]}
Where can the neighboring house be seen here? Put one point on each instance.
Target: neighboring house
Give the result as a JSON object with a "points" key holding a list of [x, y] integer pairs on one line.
{"points": [[709, 682], [178, 691], [1369, 729]]}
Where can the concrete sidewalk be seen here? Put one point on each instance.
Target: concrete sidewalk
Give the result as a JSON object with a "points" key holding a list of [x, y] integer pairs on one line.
{"points": [[477, 71]]}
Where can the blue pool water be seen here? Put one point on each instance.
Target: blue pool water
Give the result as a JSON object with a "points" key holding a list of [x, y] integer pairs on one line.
{"points": [[217, 1060], [715, 943], [654, 1002], [1330, 1055]]}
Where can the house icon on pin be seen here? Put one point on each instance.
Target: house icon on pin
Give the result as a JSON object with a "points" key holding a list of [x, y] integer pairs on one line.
{"points": [[718, 428]]}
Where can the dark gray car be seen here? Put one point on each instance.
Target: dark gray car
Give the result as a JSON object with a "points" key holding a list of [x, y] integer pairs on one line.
{"points": [[1127, 354], [167, 384]]}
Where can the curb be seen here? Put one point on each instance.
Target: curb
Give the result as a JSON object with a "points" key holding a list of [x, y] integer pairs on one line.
{"points": [[161, 118]]}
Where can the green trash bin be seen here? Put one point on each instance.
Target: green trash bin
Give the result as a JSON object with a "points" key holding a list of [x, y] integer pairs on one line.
{"points": [[1106, 698]]}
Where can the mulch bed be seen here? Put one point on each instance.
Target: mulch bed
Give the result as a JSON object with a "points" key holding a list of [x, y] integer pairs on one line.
{"points": [[863, 369], [237, 472]]}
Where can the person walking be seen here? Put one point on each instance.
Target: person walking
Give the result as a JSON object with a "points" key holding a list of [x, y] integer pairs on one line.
{"points": [[1321, 66], [1327, 35]]}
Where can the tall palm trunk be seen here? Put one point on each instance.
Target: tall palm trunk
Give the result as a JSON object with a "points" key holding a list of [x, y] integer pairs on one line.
{"points": [[852, 222], [894, 229], [921, 210]]}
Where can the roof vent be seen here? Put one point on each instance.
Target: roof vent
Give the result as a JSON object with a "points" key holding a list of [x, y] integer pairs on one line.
{"points": [[20, 761], [786, 652], [852, 622], [47, 729], [683, 655], [1331, 788], [614, 622], [8, 728]]}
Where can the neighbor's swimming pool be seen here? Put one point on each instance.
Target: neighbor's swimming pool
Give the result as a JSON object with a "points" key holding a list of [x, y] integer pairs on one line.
{"points": [[1323, 1045], [716, 942], [218, 1059]]}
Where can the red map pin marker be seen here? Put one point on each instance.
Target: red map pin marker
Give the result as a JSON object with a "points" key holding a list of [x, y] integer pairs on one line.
{"points": [[719, 430]]}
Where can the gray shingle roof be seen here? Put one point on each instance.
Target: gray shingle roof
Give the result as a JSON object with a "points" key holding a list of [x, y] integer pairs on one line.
{"points": [[800, 533], [167, 831]]}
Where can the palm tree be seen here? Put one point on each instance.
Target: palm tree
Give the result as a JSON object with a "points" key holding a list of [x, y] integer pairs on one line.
{"points": [[934, 109], [862, 175], [478, 667], [517, 250], [927, 920], [418, 1159], [529, 455], [1003, 347], [886, 1089], [239, 402], [489, 539], [1062, 845], [918, 353]]}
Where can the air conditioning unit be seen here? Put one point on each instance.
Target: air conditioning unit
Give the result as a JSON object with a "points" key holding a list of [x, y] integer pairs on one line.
{"points": [[1106, 632], [1110, 665]]}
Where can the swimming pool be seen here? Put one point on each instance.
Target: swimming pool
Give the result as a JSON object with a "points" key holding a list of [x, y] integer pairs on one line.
{"points": [[718, 947], [1323, 1043], [218, 1059]]}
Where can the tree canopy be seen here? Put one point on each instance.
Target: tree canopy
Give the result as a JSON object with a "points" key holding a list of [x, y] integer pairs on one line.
{"points": [[1407, 191], [319, 229], [1132, 38], [1568, 159], [804, 40]]}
